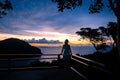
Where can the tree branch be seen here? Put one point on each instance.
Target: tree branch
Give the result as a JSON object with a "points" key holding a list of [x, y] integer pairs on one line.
{"points": [[112, 6]]}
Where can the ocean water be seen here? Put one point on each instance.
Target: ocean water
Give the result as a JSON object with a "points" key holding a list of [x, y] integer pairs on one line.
{"points": [[82, 50]]}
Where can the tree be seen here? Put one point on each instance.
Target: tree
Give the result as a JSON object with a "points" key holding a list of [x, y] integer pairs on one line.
{"points": [[96, 36], [4, 7], [110, 32], [96, 6], [112, 28], [100, 37]]}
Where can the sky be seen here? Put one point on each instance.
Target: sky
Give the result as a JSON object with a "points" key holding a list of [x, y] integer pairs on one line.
{"points": [[40, 19]]}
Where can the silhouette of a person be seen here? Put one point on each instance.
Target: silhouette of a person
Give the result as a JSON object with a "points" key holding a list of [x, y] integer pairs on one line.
{"points": [[66, 51]]}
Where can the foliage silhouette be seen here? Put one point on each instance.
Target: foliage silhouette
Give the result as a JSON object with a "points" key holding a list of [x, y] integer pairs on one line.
{"points": [[100, 36], [96, 6], [4, 7], [112, 28], [96, 36], [67, 4]]}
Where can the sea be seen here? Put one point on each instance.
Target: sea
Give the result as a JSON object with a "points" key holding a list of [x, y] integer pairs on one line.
{"points": [[81, 50]]}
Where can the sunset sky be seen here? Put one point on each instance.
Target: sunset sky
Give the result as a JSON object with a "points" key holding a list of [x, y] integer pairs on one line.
{"points": [[40, 19]]}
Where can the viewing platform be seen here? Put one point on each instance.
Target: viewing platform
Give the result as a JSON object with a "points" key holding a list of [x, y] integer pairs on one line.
{"points": [[80, 69], [41, 74]]}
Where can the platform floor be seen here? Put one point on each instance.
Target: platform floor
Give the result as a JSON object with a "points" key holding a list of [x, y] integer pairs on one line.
{"points": [[40, 74]]}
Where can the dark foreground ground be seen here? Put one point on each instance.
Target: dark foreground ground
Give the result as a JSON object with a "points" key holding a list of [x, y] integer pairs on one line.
{"points": [[42, 74]]}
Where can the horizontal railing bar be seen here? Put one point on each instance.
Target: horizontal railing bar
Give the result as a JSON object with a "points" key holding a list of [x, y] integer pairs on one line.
{"points": [[91, 63], [28, 58], [19, 59], [23, 68], [26, 54], [103, 70], [18, 54], [49, 58], [49, 54], [89, 60], [80, 62]]}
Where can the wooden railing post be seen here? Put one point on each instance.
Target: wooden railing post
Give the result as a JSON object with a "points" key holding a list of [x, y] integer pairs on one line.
{"points": [[9, 64]]}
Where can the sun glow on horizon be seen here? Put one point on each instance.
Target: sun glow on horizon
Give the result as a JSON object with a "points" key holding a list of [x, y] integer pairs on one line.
{"points": [[43, 44], [73, 39]]}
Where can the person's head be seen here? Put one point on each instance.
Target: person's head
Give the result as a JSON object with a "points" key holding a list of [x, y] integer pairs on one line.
{"points": [[66, 41]]}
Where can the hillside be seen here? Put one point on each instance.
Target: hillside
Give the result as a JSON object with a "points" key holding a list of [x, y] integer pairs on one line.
{"points": [[17, 46]]}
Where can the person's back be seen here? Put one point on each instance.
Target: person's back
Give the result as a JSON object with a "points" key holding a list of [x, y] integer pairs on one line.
{"points": [[66, 50]]}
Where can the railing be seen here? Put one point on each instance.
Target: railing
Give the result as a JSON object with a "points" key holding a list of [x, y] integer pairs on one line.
{"points": [[10, 58], [27, 55], [79, 59], [79, 63], [88, 62], [91, 69]]}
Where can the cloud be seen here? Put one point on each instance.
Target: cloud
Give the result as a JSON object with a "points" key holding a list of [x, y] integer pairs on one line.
{"points": [[43, 40], [36, 18]]}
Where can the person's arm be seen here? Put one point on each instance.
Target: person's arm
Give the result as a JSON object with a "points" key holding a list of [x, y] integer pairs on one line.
{"points": [[61, 51], [70, 51]]}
